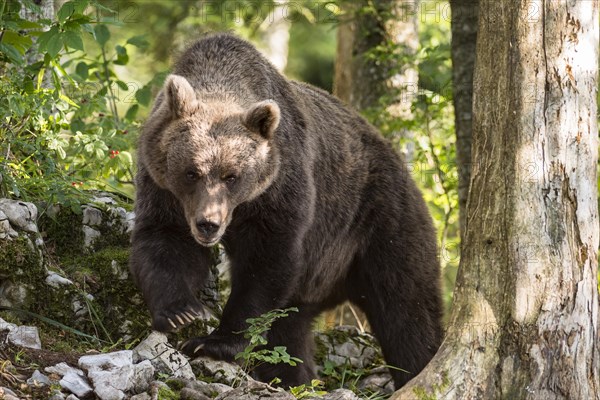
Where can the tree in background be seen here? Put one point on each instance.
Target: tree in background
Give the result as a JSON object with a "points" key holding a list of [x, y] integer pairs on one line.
{"points": [[524, 323], [276, 34], [376, 54], [464, 39]]}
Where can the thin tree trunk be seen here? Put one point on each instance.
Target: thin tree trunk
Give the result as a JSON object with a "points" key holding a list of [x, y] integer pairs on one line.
{"points": [[525, 319], [367, 82], [32, 55], [464, 38], [276, 35]]}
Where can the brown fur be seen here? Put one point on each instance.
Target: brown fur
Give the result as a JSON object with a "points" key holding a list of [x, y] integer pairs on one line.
{"points": [[312, 206]]}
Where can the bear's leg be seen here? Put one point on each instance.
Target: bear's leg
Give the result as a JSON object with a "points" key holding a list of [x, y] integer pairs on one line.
{"points": [[295, 333], [403, 306], [169, 267], [166, 262]]}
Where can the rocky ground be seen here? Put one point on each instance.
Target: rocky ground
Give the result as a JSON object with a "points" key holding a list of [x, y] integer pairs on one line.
{"points": [[74, 327]]}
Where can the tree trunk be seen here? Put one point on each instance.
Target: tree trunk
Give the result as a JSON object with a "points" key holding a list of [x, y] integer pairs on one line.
{"points": [[524, 324], [367, 82], [276, 35], [464, 38]]}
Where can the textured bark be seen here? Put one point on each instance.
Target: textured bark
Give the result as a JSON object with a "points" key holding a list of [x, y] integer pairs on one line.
{"points": [[524, 324], [464, 38], [46, 12], [361, 81]]}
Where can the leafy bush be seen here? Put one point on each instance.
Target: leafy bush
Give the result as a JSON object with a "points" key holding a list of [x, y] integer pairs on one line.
{"points": [[255, 353], [62, 125]]}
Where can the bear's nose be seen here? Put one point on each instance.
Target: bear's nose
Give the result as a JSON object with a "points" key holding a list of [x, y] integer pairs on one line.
{"points": [[206, 227]]}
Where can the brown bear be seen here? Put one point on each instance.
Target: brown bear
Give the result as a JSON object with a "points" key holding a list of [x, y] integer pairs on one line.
{"points": [[312, 206]]}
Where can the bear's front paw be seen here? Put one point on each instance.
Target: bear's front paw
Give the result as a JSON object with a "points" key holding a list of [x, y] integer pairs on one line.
{"points": [[217, 347], [178, 317]]}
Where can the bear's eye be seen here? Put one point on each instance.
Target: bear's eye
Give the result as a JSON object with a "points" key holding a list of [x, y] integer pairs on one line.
{"points": [[229, 179], [192, 176]]}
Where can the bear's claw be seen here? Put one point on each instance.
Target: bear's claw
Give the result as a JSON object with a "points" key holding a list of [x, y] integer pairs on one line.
{"points": [[178, 317]]}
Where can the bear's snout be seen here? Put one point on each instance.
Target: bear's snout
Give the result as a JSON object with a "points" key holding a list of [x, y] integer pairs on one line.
{"points": [[207, 228]]}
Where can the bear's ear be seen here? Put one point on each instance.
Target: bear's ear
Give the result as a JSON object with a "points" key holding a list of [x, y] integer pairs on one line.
{"points": [[263, 118], [179, 96]]}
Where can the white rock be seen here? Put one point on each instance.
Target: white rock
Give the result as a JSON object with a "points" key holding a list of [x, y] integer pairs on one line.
{"points": [[143, 374], [25, 336], [341, 394], [13, 294], [141, 396], [112, 384], [119, 214], [104, 200], [62, 369], [6, 393], [106, 361], [129, 221], [55, 280], [7, 326], [112, 373], [72, 397], [38, 379], [254, 390], [163, 356], [89, 235], [377, 382], [221, 371], [20, 214], [118, 271], [76, 384], [92, 216], [4, 225]]}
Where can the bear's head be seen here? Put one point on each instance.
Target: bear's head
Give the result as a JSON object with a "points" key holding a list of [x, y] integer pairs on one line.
{"points": [[211, 153]]}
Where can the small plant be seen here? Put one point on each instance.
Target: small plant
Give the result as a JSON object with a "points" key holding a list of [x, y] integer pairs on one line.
{"points": [[255, 354], [308, 391]]}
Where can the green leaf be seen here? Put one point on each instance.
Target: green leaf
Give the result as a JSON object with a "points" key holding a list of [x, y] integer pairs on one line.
{"points": [[19, 42], [122, 57], [24, 24], [80, 6], [66, 11], [13, 54], [73, 40], [102, 34], [139, 41], [68, 100], [82, 70], [122, 85], [46, 37], [55, 45], [143, 96], [77, 23], [132, 112]]}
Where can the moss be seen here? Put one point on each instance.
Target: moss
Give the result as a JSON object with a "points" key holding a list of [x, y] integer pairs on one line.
{"points": [[115, 309], [19, 257], [22, 265], [175, 384], [423, 394], [165, 393], [64, 233]]}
